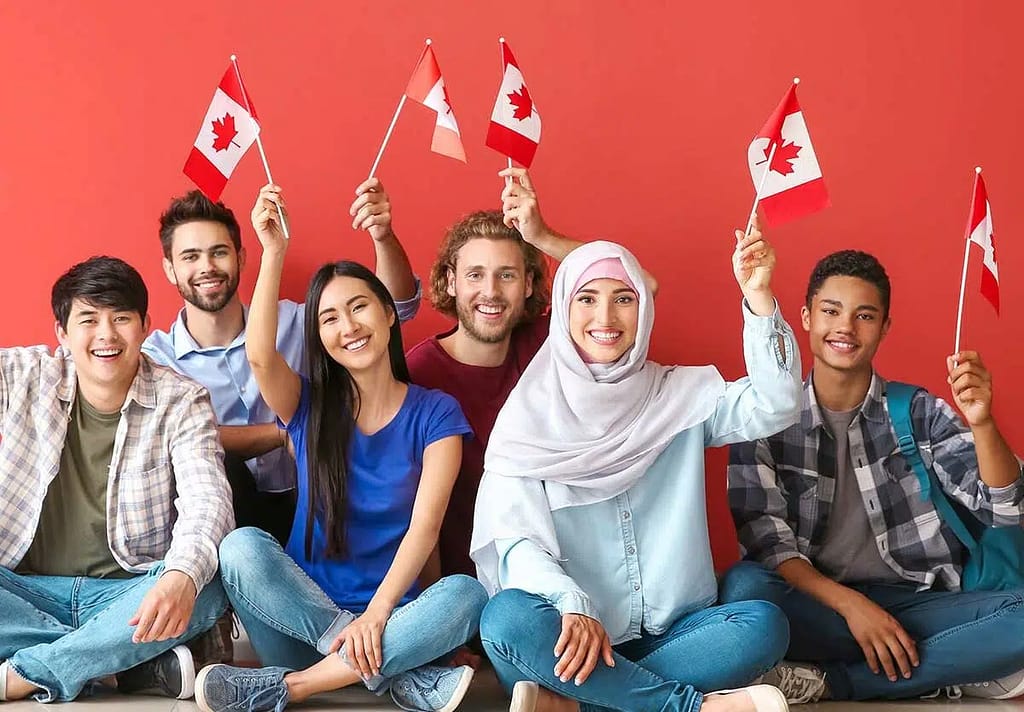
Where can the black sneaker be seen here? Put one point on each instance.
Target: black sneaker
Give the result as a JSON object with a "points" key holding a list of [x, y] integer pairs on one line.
{"points": [[171, 674]]}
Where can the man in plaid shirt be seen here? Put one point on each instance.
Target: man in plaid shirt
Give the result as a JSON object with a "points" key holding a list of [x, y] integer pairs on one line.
{"points": [[113, 502], [834, 530]]}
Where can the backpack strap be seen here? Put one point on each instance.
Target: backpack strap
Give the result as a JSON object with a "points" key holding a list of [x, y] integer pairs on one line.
{"points": [[898, 397]]}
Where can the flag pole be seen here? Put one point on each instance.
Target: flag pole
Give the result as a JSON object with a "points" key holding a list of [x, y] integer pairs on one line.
{"points": [[963, 283], [394, 119], [501, 46], [259, 144]]}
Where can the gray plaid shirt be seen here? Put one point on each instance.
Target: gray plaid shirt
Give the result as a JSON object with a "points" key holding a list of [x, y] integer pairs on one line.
{"points": [[781, 488], [167, 498]]}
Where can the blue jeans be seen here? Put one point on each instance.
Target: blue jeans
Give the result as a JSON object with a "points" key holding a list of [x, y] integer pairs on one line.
{"points": [[961, 637], [292, 623], [61, 632], [716, 648]]}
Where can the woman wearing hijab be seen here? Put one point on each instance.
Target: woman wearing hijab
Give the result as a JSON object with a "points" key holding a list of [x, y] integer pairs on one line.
{"points": [[591, 529]]}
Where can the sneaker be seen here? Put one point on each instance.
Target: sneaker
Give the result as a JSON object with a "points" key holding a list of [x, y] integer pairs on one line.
{"points": [[215, 645], [1002, 689], [171, 674], [430, 688], [530, 697], [800, 684], [766, 698], [222, 688]]}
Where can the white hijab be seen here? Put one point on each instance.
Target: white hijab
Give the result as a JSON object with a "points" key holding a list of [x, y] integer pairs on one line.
{"points": [[572, 434]]}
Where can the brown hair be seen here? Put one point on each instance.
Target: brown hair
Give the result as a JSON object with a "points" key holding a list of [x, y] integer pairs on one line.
{"points": [[196, 207], [487, 224]]}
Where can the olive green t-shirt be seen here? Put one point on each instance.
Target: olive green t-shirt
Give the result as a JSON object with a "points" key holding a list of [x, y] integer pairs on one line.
{"points": [[71, 539]]}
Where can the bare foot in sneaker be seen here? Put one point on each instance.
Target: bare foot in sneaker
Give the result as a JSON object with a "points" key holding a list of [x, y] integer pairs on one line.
{"points": [[756, 698], [531, 697]]}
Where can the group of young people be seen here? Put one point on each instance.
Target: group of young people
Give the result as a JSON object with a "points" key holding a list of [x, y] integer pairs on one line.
{"points": [[526, 487]]}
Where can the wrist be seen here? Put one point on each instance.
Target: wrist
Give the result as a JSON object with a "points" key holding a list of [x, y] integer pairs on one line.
{"points": [[984, 427], [760, 301]]}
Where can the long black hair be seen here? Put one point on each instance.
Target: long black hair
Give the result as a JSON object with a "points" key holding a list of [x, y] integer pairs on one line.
{"points": [[333, 408]]}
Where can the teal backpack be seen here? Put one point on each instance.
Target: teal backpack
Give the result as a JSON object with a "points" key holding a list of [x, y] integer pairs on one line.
{"points": [[995, 555]]}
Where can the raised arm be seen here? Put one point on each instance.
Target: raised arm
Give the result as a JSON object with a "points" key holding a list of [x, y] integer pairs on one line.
{"points": [[522, 211], [279, 385], [371, 211]]}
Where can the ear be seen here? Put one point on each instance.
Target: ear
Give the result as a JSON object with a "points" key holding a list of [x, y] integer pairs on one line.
{"points": [[886, 326], [241, 258], [169, 272], [529, 284], [392, 316], [146, 324], [805, 317], [62, 335], [451, 282]]}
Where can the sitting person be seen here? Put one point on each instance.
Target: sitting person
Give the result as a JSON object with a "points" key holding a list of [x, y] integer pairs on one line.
{"points": [[113, 501], [835, 531], [591, 527], [376, 459]]}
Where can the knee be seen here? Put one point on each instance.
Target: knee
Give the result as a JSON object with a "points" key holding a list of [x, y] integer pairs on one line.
{"points": [[240, 553], [470, 594], [772, 628], [746, 581], [514, 614]]}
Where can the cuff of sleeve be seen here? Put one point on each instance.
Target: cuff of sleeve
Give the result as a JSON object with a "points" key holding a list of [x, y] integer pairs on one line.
{"points": [[769, 327], [408, 308], [1011, 494], [776, 558], [575, 602]]}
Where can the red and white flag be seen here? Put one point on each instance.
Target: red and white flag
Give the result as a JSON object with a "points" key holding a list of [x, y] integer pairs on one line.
{"points": [[515, 123], [793, 186], [979, 231], [428, 88], [229, 128]]}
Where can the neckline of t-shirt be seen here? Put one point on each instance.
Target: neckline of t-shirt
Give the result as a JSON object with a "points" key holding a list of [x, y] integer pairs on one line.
{"points": [[406, 401]]}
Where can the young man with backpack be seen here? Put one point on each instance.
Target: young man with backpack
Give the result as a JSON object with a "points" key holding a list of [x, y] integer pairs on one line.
{"points": [[839, 527]]}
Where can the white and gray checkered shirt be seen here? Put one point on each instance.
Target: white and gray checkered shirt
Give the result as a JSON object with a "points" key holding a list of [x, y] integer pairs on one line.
{"points": [[167, 498], [781, 488]]}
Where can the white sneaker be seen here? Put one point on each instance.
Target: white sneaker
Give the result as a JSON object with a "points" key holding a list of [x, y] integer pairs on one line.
{"points": [[1002, 689], [800, 684], [766, 698]]}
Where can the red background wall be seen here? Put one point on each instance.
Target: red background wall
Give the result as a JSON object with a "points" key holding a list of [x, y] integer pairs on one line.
{"points": [[647, 109]]}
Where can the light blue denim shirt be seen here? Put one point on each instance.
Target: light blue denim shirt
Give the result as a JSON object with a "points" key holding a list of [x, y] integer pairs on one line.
{"points": [[640, 561], [225, 372]]}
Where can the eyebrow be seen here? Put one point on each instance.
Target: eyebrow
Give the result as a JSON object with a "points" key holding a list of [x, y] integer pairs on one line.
{"points": [[837, 303], [496, 269], [196, 250], [328, 310], [619, 290]]}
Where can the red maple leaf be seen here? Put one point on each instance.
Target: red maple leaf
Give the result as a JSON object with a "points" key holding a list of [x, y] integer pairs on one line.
{"points": [[447, 101], [224, 130], [782, 161], [523, 103]]}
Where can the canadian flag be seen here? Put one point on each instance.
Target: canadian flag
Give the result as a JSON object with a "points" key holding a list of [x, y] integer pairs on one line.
{"points": [[793, 186], [515, 123], [428, 88], [979, 231], [229, 128]]}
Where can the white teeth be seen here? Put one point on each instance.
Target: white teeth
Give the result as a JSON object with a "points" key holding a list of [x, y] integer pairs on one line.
{"points": [[605, 335], [356, 345], [842, 345], [106, 352], [488, 309]]}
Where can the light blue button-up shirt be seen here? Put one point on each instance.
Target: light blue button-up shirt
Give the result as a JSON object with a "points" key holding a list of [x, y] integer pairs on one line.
{"points": [[225, 372], [640, 561]]}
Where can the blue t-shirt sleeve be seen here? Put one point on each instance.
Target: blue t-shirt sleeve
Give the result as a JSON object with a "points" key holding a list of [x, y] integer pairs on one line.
{"points": [[444, 418], [296, 427]]}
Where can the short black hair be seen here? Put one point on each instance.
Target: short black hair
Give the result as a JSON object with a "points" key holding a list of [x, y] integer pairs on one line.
{"points": [[102, 282], [196, 207], [851, 263]]}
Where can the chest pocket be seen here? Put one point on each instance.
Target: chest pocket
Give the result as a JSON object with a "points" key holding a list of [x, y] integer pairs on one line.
{"points": [[145, 510]]}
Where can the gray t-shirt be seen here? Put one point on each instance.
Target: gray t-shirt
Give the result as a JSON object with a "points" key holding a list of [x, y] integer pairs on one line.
{"points": [[849, 553]]}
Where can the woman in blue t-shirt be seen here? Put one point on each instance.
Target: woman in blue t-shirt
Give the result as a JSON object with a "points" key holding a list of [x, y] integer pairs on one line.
{"points": [[376, 459]]}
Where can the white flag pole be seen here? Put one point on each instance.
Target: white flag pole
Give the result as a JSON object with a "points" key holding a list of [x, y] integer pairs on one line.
{"points": [[764, 179], [259, 144], [501, 46], [963, 282], [394, 119]]}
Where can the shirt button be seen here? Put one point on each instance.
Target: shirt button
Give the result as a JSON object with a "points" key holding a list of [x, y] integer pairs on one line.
{"points": [[625, 515], [631, 550], [636, 587]]}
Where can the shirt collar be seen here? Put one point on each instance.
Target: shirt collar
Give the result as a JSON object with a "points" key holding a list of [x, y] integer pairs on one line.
{"points": [[873, 407], [184, 344], [142, 390]]}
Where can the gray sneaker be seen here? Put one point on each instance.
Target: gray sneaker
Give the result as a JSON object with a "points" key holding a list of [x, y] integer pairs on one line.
{"points": [[431, 688], [170, 674], [223, 688], [1002, 689], [800, 684]]}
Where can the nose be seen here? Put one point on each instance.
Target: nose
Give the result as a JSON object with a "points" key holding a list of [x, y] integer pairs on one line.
{"points": [[105, 330], [490, 285], [605, 313], [348, 324]]}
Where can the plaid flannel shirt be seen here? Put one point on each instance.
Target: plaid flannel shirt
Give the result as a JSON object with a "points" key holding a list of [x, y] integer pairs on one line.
{"points": [[781, 488], [167, 497]]}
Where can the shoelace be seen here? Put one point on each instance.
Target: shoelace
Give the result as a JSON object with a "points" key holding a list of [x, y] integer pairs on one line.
{"points": [[799, 685], [953, 692], [422, 678], [256, 695]]}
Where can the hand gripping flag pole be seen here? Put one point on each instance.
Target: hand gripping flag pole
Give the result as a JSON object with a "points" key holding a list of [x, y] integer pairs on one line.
{"points": [[259, 145]]}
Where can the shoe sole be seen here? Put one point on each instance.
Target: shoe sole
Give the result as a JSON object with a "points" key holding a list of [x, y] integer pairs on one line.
{"points": [[200, 686], [188, 672], [524, 697], [460, 691]]}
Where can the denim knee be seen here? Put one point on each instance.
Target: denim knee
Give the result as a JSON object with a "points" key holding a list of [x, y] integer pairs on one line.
{"points": [[512, 615], [469, 598], [239, 554], [774, 631], [747, 581]]}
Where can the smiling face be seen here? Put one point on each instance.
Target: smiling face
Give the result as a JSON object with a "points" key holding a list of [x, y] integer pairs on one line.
{"points": [[603, 318], [490, 286], [846, 323], [354, 325], [104, 343], [204, 264]]}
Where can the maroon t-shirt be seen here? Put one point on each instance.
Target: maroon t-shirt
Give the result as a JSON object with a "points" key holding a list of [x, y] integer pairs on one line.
{"points": [[481, 391]]}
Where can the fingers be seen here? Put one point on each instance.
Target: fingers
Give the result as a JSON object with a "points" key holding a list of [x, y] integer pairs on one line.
{"points": [[370, 185], [909, 645], [375, 648], [371, 213], [564, 638], [355, 646], [870, 657], [575, 654], [145, 623], [899, 654], [885, 660], [594, 651], [517, 174], [606, 652]]}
